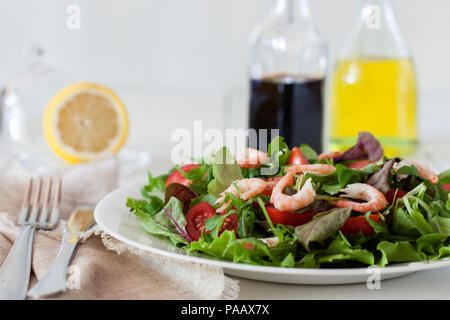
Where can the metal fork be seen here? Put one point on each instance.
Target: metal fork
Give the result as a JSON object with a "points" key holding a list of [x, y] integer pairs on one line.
{"points": [[34, 214]]}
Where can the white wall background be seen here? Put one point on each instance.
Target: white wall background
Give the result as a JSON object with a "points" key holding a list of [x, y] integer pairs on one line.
{"points": [[199, 47]]}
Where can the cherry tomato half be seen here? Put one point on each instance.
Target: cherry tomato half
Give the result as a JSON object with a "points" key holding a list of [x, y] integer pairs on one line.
{"points": [[230, 223], [357, 224], [391, 193], [359, 164], [196, 217], [297, 157], [177, 177], [288, 218], [446, 186]]}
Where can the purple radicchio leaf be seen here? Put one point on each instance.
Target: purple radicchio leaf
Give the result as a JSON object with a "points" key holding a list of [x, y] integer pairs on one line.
{"points": [[380, 179], [181, 192], [367, 147], [177, 226]]}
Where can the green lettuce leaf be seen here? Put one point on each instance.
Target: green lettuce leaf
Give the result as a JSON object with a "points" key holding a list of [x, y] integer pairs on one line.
{"points": [[334, 182], [150, 206], [309, 153], [308, 261], [403, 224], [430, 243], [250, 251], [408, 170], [278, 150], [444, 177], [341, 250], [155, 182], [203, 198], [225, 171], [399, 251], [444, 252], [338, 253], [440, 208], [154, 228], [420, 222], [322, 226], [200, 177], [169, 222], [442, 225]]}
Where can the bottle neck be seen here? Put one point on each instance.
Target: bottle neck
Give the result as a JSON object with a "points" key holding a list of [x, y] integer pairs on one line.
{"points": [[376, 33], [377, 2], [293, 11], [377, 14]]}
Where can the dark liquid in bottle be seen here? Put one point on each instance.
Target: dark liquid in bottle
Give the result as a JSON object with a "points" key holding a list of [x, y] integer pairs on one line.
{"points": [[292, 105]]}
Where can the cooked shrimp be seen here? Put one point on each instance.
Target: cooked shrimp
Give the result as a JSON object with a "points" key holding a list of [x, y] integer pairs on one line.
{"points": [[329, 155], [252, 158], [301, 199], [248, 188], [424, 171], [376, 201], [311, 168]]}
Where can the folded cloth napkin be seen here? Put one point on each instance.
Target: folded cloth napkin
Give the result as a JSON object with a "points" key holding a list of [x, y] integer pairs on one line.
{"points": [[103, 267]]}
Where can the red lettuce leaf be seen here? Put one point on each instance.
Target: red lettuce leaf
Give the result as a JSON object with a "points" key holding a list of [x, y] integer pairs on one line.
{"points": [[380, 179], [182, 193], [367, 147]]}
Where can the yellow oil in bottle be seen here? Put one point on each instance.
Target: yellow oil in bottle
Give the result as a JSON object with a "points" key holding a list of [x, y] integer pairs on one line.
{"points": [[377, 96]]}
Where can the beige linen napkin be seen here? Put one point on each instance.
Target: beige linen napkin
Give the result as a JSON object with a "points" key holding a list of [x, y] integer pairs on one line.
{"points": [[103, 267]]}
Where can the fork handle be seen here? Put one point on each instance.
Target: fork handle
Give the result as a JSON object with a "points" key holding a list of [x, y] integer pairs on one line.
{"points": [[16, 269]]}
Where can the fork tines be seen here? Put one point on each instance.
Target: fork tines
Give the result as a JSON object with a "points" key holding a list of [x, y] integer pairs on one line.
{"points": [[39, 198]]}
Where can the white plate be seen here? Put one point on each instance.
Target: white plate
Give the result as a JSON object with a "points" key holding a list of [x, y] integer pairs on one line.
{"points": [[113, 216]]}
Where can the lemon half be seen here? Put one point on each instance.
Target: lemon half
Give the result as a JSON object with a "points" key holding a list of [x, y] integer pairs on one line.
{"points": [[84, 122]]}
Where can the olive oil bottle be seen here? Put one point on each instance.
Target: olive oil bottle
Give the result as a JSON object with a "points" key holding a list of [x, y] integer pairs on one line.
{"points": [[374, 85]]}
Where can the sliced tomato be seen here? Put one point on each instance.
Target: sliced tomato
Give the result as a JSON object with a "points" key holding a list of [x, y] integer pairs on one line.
{"points": [[297, 157], [391, 193], [267, 191], [196, 218], [230, 223], [248, 246], [357, 224], [271, 183], [177, 177], [288, 218], [359, 164], [446, 186]]}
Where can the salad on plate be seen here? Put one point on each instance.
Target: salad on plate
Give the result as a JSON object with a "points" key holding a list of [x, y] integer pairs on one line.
{"points": [[294, 208]]}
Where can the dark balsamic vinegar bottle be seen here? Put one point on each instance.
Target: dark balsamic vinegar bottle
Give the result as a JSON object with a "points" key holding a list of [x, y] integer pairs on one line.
{"points": [[287, 69]]}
